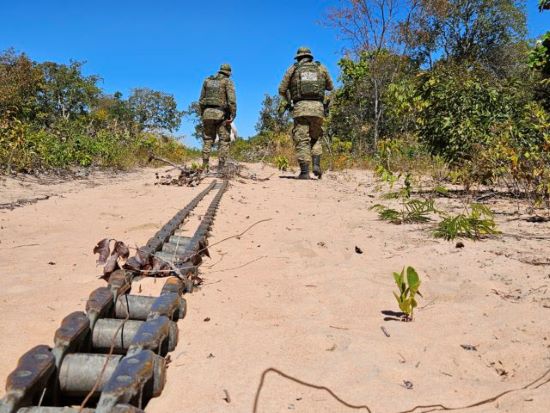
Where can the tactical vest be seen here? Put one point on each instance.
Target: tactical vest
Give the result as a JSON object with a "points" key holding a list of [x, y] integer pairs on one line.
{"points": [[307, 82], [214, 93]]}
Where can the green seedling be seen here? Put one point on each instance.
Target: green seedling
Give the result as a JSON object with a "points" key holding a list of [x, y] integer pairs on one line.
{"points": [[282, 163], [473, 224], [412, 211], [441, 191], [386, 175], [408, 283]]}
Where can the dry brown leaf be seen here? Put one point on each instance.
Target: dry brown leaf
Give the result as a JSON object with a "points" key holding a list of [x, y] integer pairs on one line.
{"points": [[102, 248], [111, 264], [121, 249]]}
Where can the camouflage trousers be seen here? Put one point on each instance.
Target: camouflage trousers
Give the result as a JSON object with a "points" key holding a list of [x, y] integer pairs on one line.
{"points": [[307, 134], [223, 131]]}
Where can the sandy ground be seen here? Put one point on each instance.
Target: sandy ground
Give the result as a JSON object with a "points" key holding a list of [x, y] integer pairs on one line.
{"points": [[293, 294]]}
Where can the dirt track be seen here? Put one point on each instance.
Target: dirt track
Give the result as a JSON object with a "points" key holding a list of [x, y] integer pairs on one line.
{"points": [[292, 293]]}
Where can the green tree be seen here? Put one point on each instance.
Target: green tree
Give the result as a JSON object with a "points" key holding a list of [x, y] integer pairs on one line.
{"points": [[539, 57], [485, 32], [193, 113], [373, 28], [539, 62], [358, 112], [154, 110], [65, 92], [461, 109], [20, 81], [270, 119], [113, 112]]}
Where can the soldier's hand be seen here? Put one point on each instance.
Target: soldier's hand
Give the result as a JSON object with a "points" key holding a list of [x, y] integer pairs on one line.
{"points": [[326, 104], [283, 105], [228, 121]]}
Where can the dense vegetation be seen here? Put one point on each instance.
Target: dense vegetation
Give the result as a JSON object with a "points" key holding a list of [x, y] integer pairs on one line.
{"points": [[52, 116], [448, 87]]}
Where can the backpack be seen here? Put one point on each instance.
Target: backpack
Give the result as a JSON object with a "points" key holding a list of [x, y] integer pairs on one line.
{"points": [[214, 93], [307, 82]]}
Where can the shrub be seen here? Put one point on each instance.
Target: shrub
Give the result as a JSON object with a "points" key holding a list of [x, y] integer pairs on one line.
{"points": [[24, 148], [412, 211], [472, 224]]}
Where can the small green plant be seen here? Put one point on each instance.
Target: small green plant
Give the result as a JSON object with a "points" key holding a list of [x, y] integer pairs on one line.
{"points": [[386, 175], [405, 192], [441, 191], [408, 283], [282, 163], [412, 211], [473, 224]]}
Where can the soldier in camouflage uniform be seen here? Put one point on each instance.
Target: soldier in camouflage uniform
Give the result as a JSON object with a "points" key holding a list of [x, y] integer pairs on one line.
{"points": [[303, 88], [218, 107]]}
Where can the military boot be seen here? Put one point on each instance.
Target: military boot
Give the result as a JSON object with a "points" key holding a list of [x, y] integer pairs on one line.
{"points": [[317, 166], [221, 167], [304, 170]]}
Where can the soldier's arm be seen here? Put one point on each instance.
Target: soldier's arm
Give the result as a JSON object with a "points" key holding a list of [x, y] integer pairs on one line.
{"points": [[329, 84], [231, 98], [285, 83], [201, 99]]}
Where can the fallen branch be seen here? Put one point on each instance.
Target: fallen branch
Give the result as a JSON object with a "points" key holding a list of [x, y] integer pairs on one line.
{"points": [[153, 157]]}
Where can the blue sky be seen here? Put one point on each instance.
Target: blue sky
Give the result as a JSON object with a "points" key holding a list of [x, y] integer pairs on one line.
{"points": [[172, 45]]}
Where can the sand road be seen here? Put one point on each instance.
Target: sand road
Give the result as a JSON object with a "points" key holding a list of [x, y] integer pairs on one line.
{"points": [[293, 294]]}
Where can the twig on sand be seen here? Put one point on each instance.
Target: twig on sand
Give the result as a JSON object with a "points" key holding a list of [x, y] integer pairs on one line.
{"points": [[525, 236], [215, 282], [254, 177], [339, 328], [235, 236], [240, 266], [427, 305], [24, 245]]}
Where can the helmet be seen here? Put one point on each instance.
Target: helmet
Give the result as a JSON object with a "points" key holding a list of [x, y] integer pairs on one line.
{"points": [[225, 69], [303, 52]]}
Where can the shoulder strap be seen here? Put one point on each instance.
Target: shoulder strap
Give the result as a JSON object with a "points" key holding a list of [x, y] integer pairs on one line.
{"points": [[293, 67]]}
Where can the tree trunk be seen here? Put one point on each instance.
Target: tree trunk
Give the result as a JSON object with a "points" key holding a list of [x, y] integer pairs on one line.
{"points": [[376, 115]]}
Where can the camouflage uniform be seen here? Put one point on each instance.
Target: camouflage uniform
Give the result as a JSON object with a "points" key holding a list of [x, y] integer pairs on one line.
{"points": [[308, 113], [216, 112]]}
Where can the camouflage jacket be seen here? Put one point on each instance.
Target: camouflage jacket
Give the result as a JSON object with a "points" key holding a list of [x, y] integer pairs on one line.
{"points": [[231, 100]]}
